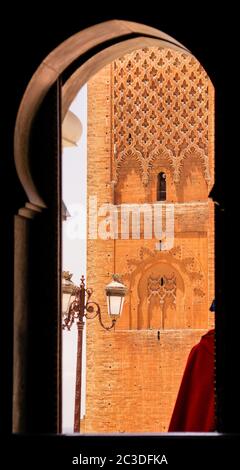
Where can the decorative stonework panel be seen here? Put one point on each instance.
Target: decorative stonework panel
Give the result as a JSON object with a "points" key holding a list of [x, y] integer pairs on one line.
{"points": [[167, 283], [163, 287], [160, 109], [186, 265]]}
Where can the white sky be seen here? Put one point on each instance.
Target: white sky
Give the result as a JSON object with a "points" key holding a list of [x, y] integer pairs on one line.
{"points": [[74, 179], [74, 169]]}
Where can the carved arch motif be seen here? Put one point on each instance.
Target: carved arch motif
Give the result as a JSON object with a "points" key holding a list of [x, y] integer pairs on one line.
{"points": [[188, 274], [160, 291], [126, 36], [162, 97]]}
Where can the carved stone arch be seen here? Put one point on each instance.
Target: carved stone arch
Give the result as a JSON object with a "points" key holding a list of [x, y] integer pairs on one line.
{"points": [[160, 163], [194, 164], [122, 176], [158, 301], [144, 164], [191, 278], [204, 163], [123, 156], [161, 152], [202, 157]]}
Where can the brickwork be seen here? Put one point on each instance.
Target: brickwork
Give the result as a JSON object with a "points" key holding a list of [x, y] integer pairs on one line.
{"points": [[134, 372], [134, 379]]}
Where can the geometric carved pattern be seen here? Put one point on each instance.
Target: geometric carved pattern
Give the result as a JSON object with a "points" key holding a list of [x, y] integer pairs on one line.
{"points": [[164, 287], [188, 265], [160, 108]]}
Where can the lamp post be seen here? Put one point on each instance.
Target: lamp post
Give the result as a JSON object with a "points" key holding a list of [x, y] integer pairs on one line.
{"points": [[83, 307]]}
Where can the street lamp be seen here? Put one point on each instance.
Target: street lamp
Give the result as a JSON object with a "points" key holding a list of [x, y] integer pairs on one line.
{"points": [[115, 292], [83, 307]]}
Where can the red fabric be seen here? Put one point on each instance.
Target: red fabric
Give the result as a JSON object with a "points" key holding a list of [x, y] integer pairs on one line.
{"points": [[194, 408]]}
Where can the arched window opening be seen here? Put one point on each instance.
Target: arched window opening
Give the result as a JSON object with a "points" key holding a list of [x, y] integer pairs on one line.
{"points": [[161, 187]]}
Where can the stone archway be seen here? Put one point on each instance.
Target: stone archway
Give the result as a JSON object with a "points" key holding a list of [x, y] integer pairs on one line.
{"points": [[125, 37], [94, 47]]}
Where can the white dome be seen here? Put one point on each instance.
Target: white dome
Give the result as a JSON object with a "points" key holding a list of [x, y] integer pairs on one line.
{"points": [[71, 130]]}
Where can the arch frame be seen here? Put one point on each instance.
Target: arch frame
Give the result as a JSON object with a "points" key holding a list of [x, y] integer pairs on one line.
{"points": [[50, 70], [123, 36]]}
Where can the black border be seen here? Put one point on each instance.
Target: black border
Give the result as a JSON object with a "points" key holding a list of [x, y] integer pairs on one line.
{"points": [[32, 32]]}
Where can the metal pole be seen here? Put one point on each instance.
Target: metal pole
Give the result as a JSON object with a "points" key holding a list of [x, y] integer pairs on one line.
{"points": [[78, 389]]}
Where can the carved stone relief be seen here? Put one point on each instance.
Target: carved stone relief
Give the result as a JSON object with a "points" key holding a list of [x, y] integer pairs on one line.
{"points": [[158, 282], [188, 265], [163, 287], [160, 109]]}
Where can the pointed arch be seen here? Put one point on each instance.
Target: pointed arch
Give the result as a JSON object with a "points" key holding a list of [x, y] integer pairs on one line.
{"points": [[94, 47]]}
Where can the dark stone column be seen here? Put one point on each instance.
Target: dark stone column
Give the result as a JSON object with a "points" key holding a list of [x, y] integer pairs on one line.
{"points": [[37, 313]]}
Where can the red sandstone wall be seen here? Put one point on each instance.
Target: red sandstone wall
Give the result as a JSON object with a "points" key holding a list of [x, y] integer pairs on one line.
{"points": [[132, 376]]}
